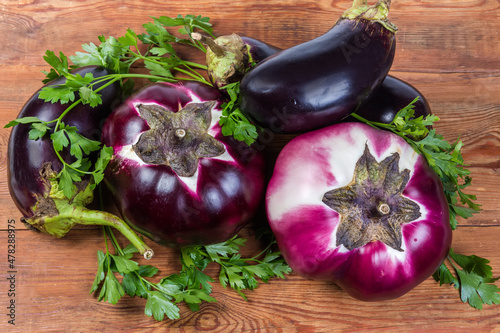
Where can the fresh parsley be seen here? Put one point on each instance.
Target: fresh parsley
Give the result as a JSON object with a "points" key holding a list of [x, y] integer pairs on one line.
{"points": [[473, 278], [162, 297], [233, 122], [191, 285], [236, 272]]}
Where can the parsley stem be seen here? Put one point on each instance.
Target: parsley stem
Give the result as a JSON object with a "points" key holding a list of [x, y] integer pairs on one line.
{"points": [[114, 241]]}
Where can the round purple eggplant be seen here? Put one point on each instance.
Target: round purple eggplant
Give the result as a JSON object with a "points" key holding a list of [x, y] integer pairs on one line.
{"points": [[393, 95], [33, 166], [174, 177], [358, 206], [324, 80]]}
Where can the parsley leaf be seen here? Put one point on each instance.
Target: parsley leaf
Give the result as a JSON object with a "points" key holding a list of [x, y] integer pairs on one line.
{"points": [[158, 305], [474, 279], [233, 121], [24, 120], [59, 64], [100, 271], [111, 290], [38, 130], [237, 272]]}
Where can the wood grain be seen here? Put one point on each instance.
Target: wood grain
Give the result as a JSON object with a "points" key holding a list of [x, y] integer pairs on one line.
{"points": [[447, 49], [55, 277]]}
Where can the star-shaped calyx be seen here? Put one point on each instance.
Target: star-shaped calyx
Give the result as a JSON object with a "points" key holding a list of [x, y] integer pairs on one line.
{"points": [[177, 139], [372, 206]]}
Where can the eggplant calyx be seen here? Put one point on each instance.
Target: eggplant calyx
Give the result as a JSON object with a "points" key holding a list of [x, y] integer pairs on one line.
{"points": [[378, 12], [177, 139], [228, 58], [55, 214], [372, 207]]}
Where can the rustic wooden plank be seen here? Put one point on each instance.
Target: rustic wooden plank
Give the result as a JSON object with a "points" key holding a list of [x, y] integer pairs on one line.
{"points": [[54, 276], [466, 31], [447, 49]]}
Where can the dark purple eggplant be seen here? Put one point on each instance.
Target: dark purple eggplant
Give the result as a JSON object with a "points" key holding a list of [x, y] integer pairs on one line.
{"points": [[174, 177], [392, 96], [324, 80], [33, 166], [384, 103], [26, 157], [229, 57]]}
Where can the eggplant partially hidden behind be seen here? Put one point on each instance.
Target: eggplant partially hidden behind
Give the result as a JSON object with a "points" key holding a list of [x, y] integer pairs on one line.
{"points": [[393, 95], [324, 80], [33, 166]]}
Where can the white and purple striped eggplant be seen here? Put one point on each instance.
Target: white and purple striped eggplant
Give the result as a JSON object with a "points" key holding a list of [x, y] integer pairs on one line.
{"points": [[358, 206]]}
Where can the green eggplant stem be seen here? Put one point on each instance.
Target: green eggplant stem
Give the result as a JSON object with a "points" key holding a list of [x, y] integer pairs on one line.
{"points": [[84, 216], [55, 214]]}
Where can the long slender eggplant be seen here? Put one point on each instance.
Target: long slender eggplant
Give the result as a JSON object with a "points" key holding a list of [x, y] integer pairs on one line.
{"points": [[33, 166], [324, 80], [26, 156], [383, 104], [259, 50]]}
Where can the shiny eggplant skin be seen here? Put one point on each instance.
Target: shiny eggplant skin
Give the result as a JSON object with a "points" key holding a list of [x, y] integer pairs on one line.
{"points": [[307, 228], [259, 50], [26, 156], [206, 208], [321, 81], [393, 95]]}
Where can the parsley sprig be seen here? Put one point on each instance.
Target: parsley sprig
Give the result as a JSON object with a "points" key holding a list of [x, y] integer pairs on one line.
{"points": [[473, 277], [162, 297], [237, 272], [233, 121], [191, 285]]}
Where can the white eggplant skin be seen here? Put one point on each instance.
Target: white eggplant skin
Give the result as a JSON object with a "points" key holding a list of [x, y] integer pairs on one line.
{"points": [[305, 228]]}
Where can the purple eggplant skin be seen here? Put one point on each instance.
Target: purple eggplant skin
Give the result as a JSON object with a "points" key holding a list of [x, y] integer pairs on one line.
{"points": [[26, 157], [319, 82], [393, 95], [206, 208], [259, 50]]}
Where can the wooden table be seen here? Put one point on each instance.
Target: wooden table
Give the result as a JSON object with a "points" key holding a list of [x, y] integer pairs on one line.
{"points": [[449, 50]]}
